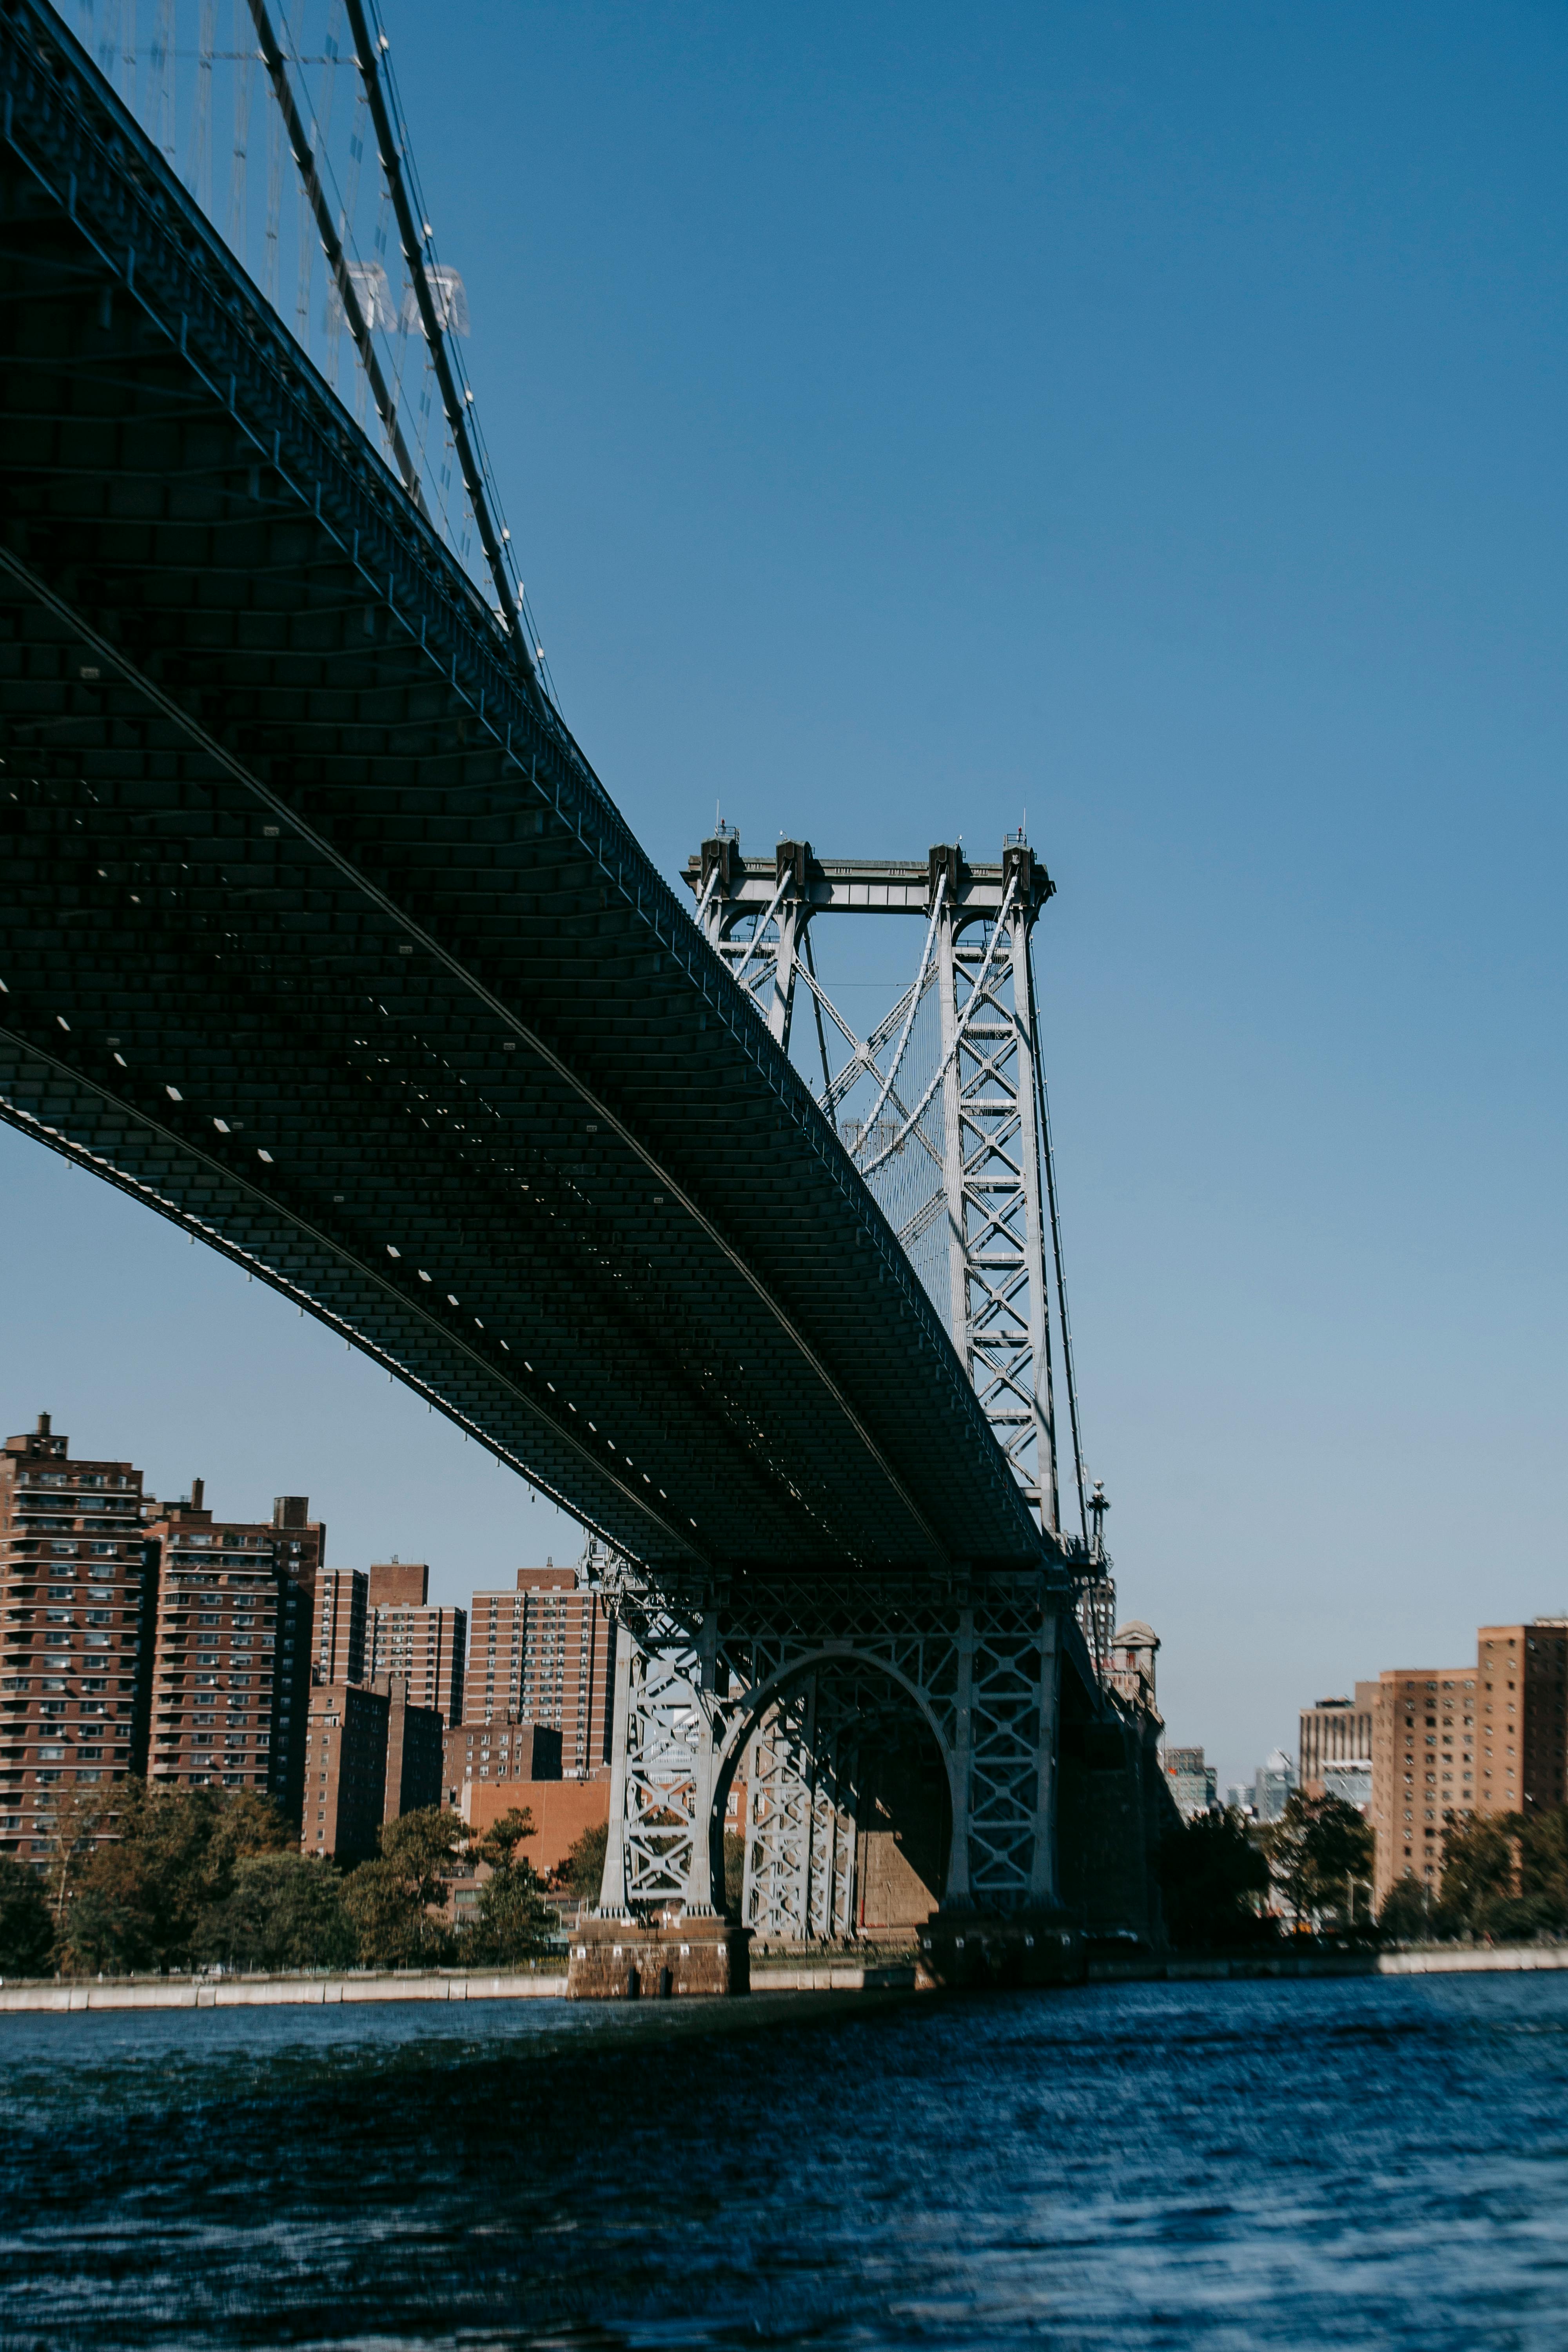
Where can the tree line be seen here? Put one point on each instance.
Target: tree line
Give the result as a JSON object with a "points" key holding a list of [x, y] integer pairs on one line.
{"points": [[1229, 1884], [158, 1879]]}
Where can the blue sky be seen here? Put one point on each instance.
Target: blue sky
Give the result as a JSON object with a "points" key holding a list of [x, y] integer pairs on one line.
{"points": [[1152, 420]]}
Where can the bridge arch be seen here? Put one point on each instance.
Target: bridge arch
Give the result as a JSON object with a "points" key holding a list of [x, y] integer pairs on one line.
{"points": [[851, 1792]]}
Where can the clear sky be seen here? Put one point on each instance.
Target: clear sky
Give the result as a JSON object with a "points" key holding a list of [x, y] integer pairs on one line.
{"points": [[1150, 419]]}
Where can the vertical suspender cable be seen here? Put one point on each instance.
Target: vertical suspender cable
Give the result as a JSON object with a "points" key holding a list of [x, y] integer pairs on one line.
{"points": [[272, 57], [1044, 1118], [410, 233]]}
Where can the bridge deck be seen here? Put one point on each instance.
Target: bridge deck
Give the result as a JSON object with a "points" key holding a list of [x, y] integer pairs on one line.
{"points": [[318, 932]]}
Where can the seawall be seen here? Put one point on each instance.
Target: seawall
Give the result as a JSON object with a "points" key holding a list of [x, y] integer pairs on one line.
{"points": [[63, 1995]]}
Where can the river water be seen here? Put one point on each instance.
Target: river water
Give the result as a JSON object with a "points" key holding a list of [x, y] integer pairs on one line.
{"points": [[1371, 2162]]}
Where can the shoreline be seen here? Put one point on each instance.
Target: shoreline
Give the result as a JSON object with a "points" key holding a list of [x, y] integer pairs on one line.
{"points": [[73, 1996]]}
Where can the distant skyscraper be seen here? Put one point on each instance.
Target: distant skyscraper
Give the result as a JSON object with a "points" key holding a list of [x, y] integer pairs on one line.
{"points": [[1273, 1785], [501, 1749], [413, 1751], [398, 1583], [345, 1771], [1191, 1783], [1335, 1745]]}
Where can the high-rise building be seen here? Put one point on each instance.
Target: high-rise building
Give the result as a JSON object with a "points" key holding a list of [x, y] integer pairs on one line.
{"points": [[406, 1636], [76, 1643], [1451, 1742], [345, 1771], [1524, 1746], [1273, 1785], [1334, 1747], [338, 1629], [1193, 1783], [546, 1654], [230, 1658], [1422, 1714]]}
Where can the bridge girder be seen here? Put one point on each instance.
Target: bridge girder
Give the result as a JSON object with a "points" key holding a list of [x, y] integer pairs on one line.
{"points": [[319, 934]]}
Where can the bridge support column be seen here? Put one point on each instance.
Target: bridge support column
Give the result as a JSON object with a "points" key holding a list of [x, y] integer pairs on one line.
{"points": [[828, 1697], [961, 1768], [657, 1931]]}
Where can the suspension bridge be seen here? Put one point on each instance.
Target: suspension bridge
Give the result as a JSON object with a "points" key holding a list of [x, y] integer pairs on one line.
{"points": [[320, 936]]}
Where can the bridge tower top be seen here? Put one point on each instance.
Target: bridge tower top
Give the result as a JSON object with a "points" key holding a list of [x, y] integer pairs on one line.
{"points": [[942, 1107]]}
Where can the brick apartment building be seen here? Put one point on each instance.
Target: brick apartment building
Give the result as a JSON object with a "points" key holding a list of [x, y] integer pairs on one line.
{"points": [[76, 1638], [509, 1749], [338, 1627], [414, 1737], [546, 1654], [231, 1658], [345, 1771], [1450, 1742], [368, 1758], [406, 1636]]}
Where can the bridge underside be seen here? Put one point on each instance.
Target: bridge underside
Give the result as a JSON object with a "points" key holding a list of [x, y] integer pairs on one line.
{"points": [[318, 934]]}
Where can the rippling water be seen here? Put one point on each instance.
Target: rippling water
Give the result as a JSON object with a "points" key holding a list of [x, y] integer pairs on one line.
{"points": [[1377, 2162]]}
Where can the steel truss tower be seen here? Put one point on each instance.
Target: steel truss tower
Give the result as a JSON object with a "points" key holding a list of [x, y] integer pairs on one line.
{"points": [[942, 1106]]}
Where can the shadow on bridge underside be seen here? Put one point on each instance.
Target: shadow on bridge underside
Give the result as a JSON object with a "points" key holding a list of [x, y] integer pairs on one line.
{"points": [[319, 935]]}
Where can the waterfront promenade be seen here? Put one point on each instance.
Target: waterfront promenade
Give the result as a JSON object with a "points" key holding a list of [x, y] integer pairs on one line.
{"points": [[801, 1973]]}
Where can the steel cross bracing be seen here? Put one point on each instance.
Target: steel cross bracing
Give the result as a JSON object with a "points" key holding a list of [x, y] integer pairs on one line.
{"points": [[937, 1106], [319, 935], [787, 1683]]}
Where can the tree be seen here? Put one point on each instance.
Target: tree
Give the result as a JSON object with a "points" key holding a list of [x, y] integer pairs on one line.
{"points": [[1212, 1879], [1406, 1914], [76, 1819], [391, 1900], [1543, 1865], [282, 1911], [1506, 1874], [513, 1922], [140, 1898], [500, 1842], [26, 1924], [734, 1873], [1481, 1873], [583, 1872], [1320, 1856]]}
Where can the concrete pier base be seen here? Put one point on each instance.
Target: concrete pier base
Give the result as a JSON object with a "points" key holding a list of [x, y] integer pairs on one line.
{"points": [[970, 1950], [635, 1959]]}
